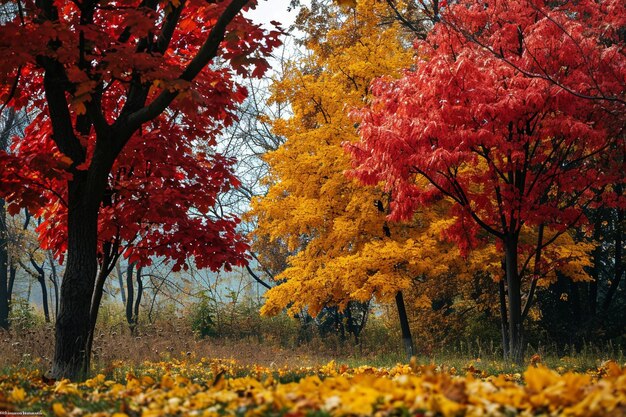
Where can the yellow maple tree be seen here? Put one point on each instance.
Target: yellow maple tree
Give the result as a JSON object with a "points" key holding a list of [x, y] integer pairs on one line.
{"points": [[342, 246]]}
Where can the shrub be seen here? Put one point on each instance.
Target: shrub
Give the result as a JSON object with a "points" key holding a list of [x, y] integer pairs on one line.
{"points": [[201, 316], [23, 316]]}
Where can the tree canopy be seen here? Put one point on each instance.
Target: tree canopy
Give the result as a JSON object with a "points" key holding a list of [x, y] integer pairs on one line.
{"points": [[515, 112], [120, 92]]}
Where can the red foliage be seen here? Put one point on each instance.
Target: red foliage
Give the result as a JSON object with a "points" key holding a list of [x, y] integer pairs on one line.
{"points": [[161, 187], [515, 110]]}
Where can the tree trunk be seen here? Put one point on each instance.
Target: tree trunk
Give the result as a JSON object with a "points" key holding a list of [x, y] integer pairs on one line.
{"points": [[593, 285], [4, 269], [138, 298], [6, 286], [575, 303], [120, 281], [504, 321], [96, 299], [85, 193], [350, 324], [618, 270], [40, 275], [130, 297], [516, 341], [12, 275], [44, 297], [407, 339], [73, 324], [55, 283]]}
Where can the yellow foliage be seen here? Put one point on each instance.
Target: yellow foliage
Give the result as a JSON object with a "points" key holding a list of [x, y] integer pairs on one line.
{"points": [[59, 410], [18, 394], [348, 3], [342, 247], [330, 390], [95, 381], [334, 226], [66, 387]]}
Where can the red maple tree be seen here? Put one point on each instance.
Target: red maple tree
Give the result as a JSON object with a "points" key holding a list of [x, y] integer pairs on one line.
{"points": [[123, 92], [515, 111]]}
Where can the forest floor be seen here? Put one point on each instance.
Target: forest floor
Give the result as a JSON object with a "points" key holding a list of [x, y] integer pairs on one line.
{"points": [[166, 371], [214, 388]]}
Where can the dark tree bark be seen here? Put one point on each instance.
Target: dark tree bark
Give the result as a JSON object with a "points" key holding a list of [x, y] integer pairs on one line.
{"points": [[54, 279], [516, 341], [41, 279], [574, 300], [358, 321], [130, 297], [407, 339], [120, 281], [39, 273], [361, 324], [12, 275], [93, 312], [107, 261], [595, 274], [504, 320], [4, 269], [44, 299], [73, 324], [350, 324], [133, 302], [339, 327], [139, 295], [618, 268], [5, 291], [593, 294]]}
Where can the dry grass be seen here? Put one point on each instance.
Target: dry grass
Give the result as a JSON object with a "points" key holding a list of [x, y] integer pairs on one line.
{"points": [[34, 347], [173, 340]]}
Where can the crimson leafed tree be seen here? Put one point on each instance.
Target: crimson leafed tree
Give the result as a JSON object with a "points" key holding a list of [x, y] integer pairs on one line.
{"points": [[515, 111], [123, 92]]}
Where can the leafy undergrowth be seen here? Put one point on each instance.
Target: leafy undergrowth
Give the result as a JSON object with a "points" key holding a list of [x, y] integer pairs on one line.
{"points": [[214, 388]]}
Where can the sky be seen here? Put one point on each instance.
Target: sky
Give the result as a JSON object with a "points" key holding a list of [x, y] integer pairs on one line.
{"points": [[269, 10]]}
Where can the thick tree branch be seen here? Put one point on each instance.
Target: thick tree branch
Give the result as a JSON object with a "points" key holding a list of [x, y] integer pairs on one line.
{"points": [[256, 277], [207, 52], [54, 82], [167, 31]]}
